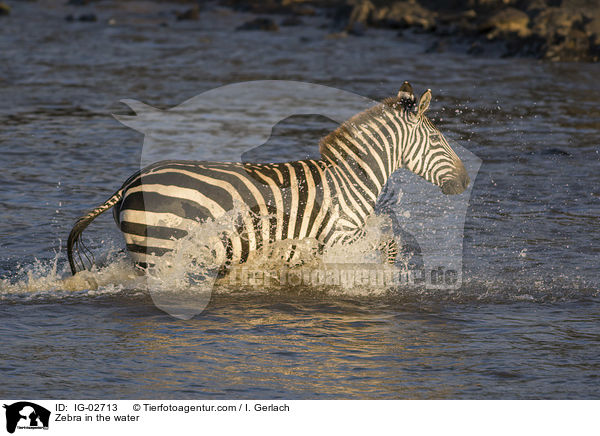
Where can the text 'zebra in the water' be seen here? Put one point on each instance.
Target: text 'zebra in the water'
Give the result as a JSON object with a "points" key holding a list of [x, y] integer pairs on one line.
{"points": [[328, 199]]}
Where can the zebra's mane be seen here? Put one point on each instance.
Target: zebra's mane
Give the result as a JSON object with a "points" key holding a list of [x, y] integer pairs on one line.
{"points": [[348, 127]]}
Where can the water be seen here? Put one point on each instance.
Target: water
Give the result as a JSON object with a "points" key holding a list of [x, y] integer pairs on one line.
{"points": [[525, 324]]}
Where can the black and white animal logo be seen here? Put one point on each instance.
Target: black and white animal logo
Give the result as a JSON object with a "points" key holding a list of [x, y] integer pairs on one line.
{"points": [[24, 414]]}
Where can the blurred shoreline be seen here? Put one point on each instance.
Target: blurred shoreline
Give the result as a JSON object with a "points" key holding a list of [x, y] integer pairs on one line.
{"points": [[553, 30]]}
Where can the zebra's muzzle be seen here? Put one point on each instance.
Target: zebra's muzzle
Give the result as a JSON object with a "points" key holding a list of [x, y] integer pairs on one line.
{"points": [[456, 185]]}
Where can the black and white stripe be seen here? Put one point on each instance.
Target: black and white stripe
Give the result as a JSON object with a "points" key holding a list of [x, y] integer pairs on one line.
{"points": [[327, 199]]}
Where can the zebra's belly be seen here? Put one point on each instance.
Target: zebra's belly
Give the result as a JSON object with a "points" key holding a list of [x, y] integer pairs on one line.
{"points": [[235, 236]]}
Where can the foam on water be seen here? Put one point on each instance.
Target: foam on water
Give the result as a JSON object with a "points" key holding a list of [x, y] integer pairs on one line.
{"points": [[193, 264], [186, 278], [52, 279]]}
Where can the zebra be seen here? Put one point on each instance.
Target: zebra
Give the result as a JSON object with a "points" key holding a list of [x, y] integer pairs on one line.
{"points": [[328, 199]]}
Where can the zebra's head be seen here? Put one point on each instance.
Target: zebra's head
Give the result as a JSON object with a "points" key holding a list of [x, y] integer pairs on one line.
{"points": [[424, 150]]}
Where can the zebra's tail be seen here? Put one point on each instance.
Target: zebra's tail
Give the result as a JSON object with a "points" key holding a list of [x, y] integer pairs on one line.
{"points": [[74, 241]]}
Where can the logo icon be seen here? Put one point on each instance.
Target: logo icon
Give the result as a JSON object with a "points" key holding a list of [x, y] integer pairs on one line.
{"points": [[26, 415]]}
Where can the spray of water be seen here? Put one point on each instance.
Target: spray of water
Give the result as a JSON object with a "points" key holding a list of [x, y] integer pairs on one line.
{"points": [[182, 281], [194, 267], [51, 279]]}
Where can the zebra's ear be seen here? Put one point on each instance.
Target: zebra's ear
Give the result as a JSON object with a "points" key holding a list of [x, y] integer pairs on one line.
{"points": [[424, 102], [406, 96]]}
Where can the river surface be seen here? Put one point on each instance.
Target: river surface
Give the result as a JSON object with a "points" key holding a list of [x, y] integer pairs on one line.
{"points": [[524, 324]]}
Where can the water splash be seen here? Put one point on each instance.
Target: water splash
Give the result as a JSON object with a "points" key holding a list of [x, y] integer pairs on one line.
{"points": [[184, 280], [52, 279]]}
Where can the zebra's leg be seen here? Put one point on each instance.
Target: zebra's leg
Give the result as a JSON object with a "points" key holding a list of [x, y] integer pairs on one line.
{"points": [[390, 250], [297, 255], [320, 248], [223, 255]]}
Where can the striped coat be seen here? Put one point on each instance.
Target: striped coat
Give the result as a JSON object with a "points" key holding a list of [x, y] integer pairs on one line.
{"points": [[327, 199]]}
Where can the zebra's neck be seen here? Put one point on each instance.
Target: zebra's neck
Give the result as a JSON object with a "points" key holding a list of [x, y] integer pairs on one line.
{"points": [[362, 154]]}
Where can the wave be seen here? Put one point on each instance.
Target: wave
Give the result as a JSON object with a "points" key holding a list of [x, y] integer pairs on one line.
{"points": [[353, 271]]}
